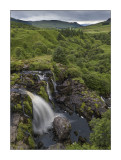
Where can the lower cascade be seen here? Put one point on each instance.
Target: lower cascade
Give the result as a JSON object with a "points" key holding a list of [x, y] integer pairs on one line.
{"points": [[43, 115]]}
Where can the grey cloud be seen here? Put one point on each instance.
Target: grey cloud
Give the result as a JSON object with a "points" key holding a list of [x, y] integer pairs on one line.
{"points": [[66, 15]]}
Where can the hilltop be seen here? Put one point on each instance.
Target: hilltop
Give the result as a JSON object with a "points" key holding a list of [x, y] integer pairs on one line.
{"points": [[48, 23]]}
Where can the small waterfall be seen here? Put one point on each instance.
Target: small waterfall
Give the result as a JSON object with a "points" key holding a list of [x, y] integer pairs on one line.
{"points": [[49, 92], [43, 115], [41, 77], [54, 85], [54, 82]]}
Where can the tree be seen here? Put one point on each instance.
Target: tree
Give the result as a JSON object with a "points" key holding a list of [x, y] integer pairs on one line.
{"points": [[20, 52], [59, 55], [41, 48], [101, 135], [60, 37]]}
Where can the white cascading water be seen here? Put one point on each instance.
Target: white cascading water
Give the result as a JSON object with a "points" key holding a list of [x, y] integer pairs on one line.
{"points": [[49, 92], [54, 83], [43, 115]]}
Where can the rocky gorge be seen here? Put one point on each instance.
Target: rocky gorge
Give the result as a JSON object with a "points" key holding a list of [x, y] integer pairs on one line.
{"points": [[72, 100]]}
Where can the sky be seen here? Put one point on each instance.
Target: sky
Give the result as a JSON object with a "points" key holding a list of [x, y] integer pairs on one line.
{"points": [[79, 16]]}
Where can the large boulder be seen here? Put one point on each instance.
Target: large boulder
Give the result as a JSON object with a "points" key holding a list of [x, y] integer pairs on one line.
{"points": [[62, 127]]}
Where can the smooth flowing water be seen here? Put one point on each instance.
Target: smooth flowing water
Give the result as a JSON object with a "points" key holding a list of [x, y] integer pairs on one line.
{"points": [[43, 115]]}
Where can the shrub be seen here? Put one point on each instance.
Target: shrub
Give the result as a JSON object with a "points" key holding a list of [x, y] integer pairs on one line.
{"points": [[77, 146], [49, 51], [73, 72], [101, 131], [98, 82], [20, 53], [60, 37], [38, 51], [41, 47]]}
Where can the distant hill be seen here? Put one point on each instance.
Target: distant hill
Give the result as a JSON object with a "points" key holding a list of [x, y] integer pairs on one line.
{"points": [[98, 27], [49, 23], [107, 22]]}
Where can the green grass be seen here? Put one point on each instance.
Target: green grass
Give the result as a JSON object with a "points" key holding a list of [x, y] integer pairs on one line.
{"points": [[97, 29]]}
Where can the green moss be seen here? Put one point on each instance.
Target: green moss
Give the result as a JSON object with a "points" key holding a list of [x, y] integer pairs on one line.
{"points": [[90, 110], [79, 79], [20, 134], [39, 65], [18, 107], [14, 78], [27, 108], [26, 127], [31, 142], [43, 93], [83, 105], [96, 105]]}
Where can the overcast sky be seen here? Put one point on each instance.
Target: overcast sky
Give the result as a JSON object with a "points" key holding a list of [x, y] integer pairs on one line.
{"points": [[82, 17]]}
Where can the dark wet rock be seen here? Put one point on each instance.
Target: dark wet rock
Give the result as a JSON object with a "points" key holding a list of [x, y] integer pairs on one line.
{"points": [[15, 97], [62, 127], [73, 96], [58, 146], [40, 145], [76, 133], [81, 140], [108, 102]]}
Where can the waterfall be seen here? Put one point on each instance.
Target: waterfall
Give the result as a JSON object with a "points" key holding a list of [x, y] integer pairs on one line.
{"points": [[54, 85], [49, 92], [43, 115], [54, 82]]}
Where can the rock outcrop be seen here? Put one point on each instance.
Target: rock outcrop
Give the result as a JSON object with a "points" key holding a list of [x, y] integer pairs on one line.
{"points": [[75, 97], [62, 127]]}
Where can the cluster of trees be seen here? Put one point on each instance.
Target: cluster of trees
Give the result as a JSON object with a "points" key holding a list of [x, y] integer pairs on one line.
{"points": [[71, 32], [104, 37]]}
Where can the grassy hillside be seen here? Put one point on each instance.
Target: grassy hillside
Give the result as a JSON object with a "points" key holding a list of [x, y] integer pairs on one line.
{"points": [[84, 53], [104, 27]]}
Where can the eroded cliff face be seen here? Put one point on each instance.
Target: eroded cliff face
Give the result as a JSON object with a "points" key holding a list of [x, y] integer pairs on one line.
{"points": [[73, 96]]}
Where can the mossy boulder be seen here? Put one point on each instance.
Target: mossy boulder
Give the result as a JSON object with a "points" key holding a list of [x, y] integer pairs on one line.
{"points": [[15, 77]]}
